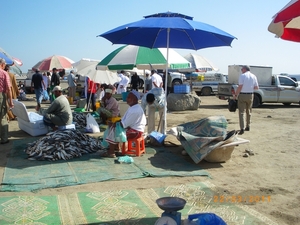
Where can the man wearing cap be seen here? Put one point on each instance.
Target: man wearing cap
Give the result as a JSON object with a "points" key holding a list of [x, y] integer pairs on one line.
{"points": [[155, 100], [247, 84], [109, 105], [5, 95], [134, 122], [55, 81], [157, 81], [59, 112], [38, 85], [122, 87], [72, 84]]}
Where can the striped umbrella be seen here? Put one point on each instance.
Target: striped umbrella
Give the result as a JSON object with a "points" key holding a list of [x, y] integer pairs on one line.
{"points": [[286, 23], [55, 61], [130, 56]]}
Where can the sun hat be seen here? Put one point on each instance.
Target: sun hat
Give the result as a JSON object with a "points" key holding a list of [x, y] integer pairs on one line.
{"points": [[108, 90], [57, 88], [136, 93]]}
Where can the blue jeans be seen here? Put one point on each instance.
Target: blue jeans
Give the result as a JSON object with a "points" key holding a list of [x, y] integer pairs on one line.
{"points": [[39, 95]]}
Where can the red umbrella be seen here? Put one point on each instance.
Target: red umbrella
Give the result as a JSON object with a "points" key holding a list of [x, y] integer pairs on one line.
{"points": [[286, 23], [18, 61], [55, 61]]}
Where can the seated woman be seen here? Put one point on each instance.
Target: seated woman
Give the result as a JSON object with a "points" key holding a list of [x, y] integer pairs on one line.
{"points": [[134, 122], [109, 106]]}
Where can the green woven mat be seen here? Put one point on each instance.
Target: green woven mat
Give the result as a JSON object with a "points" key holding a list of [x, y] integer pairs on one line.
{"points": [[123, 207], [22, 174]]}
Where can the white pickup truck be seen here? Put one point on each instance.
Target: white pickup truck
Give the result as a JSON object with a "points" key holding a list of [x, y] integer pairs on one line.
{"points": [[272, 88], [207, 84]]}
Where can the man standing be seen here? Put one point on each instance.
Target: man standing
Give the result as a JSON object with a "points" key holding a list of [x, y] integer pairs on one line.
{"points": [[38, 85], [122, 87], [59, 112], [72, 84], [55, 81], [148, 82], [14, 91], [5, 94], [247, 84], [45, 91], [155, 100], [157, 81]]}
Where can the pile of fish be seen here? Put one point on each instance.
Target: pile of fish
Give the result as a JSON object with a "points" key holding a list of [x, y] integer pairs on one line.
{"points": [[66, 144], [79, 119]]}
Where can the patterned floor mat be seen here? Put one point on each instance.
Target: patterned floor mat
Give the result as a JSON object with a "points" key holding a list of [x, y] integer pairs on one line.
{"points": [[134, 207], [22, 174]]}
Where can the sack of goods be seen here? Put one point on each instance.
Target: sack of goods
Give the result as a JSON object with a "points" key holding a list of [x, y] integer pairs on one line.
{"points": [[232, 105]]}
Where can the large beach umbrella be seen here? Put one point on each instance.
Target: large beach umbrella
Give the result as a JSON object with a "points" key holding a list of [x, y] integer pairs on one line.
{"points": [[55, 61], [169, 30], [200, 63], [286, 23], [83, 64], [131, 56]]}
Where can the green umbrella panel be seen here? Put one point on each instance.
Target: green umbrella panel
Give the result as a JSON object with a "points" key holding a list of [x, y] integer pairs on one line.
{"points": [[130, 56]]}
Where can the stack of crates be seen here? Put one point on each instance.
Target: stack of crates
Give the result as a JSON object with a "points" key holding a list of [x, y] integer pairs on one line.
{"points": [[182, 89]]}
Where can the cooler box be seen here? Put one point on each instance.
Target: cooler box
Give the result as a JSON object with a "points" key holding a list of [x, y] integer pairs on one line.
{"points": [[182, 89], [30, 122]]}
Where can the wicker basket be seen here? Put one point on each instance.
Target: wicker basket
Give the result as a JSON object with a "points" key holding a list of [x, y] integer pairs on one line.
{"points": [[221, 154]]}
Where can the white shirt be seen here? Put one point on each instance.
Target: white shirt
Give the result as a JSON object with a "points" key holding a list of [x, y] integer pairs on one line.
{"points": [[134, 118], [156, 79], [124, 83], [249, 81]]}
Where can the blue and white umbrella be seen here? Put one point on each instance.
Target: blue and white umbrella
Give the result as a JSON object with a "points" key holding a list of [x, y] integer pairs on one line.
{"points": [[169, 30]]}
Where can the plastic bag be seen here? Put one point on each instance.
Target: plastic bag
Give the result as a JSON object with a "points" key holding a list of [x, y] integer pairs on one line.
{"points": [[120, 133], [204, 219], [232, 105], [91, 124], [45, 95]]}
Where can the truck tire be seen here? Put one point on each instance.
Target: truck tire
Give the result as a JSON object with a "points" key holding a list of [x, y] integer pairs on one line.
{"points": [[256, 101], [176, 82], [287, 103], [206, 91]]}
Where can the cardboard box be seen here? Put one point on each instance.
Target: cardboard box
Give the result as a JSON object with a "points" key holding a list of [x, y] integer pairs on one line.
{"points": [[30, 122]]}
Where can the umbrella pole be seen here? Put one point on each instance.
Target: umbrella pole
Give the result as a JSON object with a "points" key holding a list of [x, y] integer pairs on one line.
{"points": [[166, 84]]}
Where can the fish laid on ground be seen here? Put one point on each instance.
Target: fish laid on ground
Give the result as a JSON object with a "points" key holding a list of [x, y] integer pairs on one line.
{"points": [[66, 144]]}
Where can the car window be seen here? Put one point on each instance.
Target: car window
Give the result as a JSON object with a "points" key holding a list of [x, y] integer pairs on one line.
{"points": [[286, 82]]}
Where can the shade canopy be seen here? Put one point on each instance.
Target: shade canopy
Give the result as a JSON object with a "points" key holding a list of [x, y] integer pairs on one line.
{"points": [[55, 61], [131, 56], [286, 23]]}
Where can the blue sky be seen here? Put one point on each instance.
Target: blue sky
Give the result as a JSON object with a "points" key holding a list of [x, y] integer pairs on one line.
{"points": [[36, 29]]}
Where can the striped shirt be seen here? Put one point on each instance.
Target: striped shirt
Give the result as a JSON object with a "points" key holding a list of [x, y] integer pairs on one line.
{"points": [[4, 81]]}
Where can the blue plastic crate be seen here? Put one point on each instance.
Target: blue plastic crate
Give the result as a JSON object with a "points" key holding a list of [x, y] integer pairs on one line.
{"points": [[182, 89]]}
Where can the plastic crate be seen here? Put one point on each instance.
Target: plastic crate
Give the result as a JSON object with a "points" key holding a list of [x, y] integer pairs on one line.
{"points": [[182, 89], [158, 136]]}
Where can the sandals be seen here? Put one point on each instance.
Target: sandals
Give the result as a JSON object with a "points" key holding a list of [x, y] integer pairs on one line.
{"points": [[105, 154]]}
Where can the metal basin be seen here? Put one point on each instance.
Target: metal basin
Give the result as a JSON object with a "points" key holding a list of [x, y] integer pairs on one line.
{"points": [[170, 203]]}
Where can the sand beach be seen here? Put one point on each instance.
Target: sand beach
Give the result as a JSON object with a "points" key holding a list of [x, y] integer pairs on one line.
{"points": [[268, 181]]}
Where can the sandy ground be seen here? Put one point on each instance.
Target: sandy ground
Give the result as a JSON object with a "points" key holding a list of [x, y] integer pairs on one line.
{"points": [[274, 169]]}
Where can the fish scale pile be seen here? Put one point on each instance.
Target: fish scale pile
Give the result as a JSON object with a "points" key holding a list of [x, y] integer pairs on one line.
{"points": [[66, 144]]}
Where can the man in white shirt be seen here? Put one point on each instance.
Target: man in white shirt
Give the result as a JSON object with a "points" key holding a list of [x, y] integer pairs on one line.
{"points": [[247, 84], [122, 87], [157, 81], [133, 121], [72, 84]]}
